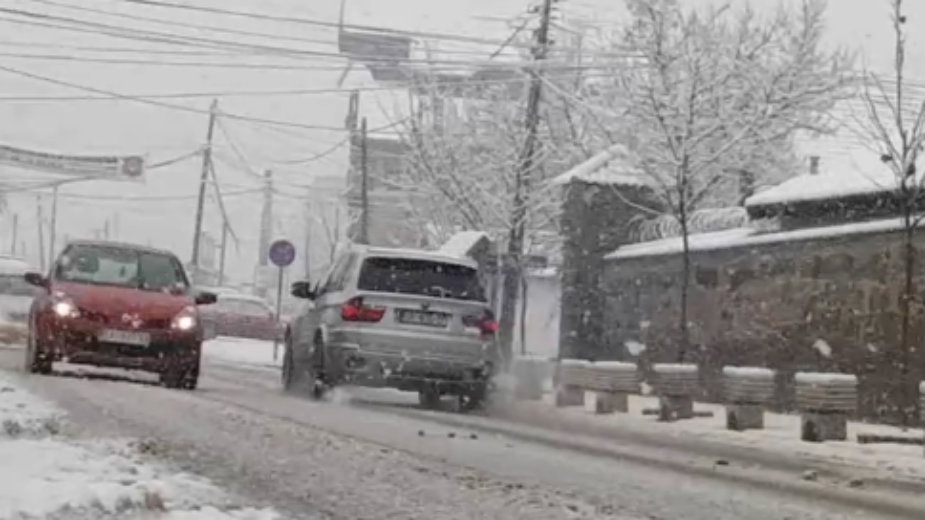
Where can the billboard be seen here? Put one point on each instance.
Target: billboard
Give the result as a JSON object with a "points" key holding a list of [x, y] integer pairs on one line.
{"points": [[102, 166]]}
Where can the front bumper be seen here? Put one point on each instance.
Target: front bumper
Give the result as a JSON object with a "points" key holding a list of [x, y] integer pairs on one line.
{"points": [[76, 341], [375, 368]]}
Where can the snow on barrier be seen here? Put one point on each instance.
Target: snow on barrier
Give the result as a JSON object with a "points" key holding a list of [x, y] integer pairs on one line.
{"points": [[603, 387], [747, 390], [676, 385], [530, 376], [825, 401]]}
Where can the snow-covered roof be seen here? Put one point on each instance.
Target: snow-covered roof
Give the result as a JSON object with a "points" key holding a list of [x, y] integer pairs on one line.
{"points": [[615, 165], [822, 186], [742, 237], [462, 243]]}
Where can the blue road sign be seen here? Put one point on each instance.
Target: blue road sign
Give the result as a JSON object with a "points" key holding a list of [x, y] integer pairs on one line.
{"points": [[282, 253]]}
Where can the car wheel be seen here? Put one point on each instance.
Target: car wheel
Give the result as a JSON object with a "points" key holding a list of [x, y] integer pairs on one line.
{"points": [[298, 379], [473, 399], [37, 362], [179, 374]]}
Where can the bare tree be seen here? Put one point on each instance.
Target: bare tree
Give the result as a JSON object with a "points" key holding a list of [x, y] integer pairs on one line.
{"points": [[895, 126], [713, 94]]}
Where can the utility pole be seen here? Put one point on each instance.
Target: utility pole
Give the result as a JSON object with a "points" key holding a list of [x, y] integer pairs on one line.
{"points": [[39, 218], [15, 234], [306, 256], [266, 219], [203, 180], [515, 247], [221, 258], [53, 224], [364, 186]]}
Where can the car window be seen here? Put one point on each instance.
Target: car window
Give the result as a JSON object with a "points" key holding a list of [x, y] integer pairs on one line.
{"points": [[15, 285], [423, 277], [118, 266]]}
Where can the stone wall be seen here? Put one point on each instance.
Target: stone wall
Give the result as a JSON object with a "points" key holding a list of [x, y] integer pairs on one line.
{"points": [[595, 221], [823, 305]]}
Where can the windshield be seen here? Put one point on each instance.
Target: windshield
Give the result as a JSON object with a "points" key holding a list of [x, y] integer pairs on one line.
{"points": [[123, 267], [423, 277], [15, 285]]}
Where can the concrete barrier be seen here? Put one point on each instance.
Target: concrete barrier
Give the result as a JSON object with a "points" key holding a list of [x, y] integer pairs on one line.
{"points": [[676, 385], [568, 374], [607, 386], [747, 390], [825, 401]]}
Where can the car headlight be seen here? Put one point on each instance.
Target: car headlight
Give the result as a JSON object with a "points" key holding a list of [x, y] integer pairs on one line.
{"points": [[185, 320], [64, 307]]}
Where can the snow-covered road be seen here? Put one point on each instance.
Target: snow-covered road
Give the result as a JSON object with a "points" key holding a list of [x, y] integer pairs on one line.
{"points": [[338, 460]]}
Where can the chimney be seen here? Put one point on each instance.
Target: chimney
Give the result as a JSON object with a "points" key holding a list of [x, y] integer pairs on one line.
{"points": [[814, 165]]}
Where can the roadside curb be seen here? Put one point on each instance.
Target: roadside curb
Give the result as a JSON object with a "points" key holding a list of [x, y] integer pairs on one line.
{"points": [[894, 497]]}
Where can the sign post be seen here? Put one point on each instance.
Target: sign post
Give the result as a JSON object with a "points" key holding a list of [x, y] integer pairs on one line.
{"points": [[281, 254]]}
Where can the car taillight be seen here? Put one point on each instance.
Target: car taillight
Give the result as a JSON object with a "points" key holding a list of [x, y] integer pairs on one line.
{"points": [[355, 310], [485, 322]]}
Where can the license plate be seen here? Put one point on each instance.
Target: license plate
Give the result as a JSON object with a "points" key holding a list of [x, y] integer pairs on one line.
{"points": [[140, 339], [429, 319]]}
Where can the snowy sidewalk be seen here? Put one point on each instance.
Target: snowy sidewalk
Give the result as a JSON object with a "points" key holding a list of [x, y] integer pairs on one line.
{"points": [[778, 445], [47, 475], [241, 351]]}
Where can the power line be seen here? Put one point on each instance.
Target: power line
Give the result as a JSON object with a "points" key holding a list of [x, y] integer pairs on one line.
{"points": [[173, 38], [223, 30], [162, 104], [320, 23]]}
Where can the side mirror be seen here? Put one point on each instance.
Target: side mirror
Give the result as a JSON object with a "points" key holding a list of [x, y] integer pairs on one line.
{"points": [[303, 290], [36, 279], [206, 298]]}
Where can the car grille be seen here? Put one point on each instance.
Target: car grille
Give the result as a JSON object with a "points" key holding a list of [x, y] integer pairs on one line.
{"points": [[103, 319]]}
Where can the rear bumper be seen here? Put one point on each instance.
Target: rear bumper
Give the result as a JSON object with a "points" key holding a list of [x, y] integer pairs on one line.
{"points": [[370, 367], [76, 342]]}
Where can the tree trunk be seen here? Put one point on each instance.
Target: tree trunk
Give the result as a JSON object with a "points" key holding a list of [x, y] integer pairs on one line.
{"points": [[907, 399], [509, 296], [685, 288]]}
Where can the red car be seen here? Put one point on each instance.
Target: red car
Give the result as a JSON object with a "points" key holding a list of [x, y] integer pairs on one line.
{"points": [[242, 316], [117, 305]]}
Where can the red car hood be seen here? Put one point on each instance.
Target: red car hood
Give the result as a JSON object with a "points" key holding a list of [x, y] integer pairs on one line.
{"points": [[114, 302]]}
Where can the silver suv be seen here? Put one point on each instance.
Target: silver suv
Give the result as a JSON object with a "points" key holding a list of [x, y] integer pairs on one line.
{"points": [[407, 319]]}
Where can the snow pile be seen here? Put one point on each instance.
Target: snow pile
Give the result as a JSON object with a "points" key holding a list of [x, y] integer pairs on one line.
{"points": [[634, 347], [24, 415], [922, 388], [613, 166], [241, 351], [616, 366], [822, 348], [574, 362], [748, 372], [674, 368], [43, 475], [462, 243], [825, 378]]}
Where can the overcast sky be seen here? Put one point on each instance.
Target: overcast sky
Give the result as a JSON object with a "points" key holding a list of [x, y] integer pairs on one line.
{"points": [[164, 132]]}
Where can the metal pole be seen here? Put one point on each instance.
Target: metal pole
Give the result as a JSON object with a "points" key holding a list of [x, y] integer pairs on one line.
{"points": [[221, 258], [203, 179], [364, 186], [15, 234], [279, 304], [41, 230], [53, 224]]}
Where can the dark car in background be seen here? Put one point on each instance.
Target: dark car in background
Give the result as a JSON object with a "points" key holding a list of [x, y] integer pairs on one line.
{"points": [[117, 305], [242, 316]]}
